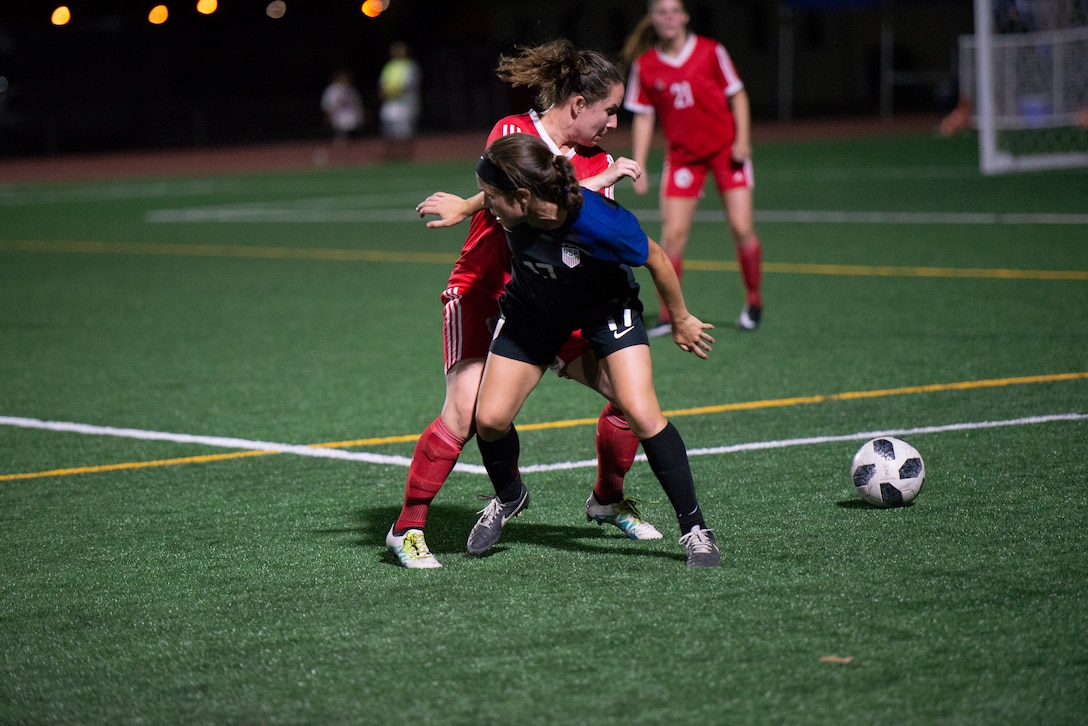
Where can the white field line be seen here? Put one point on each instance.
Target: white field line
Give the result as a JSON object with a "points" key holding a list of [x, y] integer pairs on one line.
{"points": [[329, 453], [806, 441], [13, 194], [282, 215], [222, 442], [24, 195], [303, 211]]}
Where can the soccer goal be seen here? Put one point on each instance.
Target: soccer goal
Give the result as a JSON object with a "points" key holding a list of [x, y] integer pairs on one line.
{"points": [[1025, 73]]}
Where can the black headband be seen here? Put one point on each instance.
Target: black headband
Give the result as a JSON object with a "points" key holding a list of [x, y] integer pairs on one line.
{"points": [[493, 174]]}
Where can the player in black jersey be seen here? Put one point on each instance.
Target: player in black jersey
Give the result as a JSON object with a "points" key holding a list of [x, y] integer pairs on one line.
{"points": [[572, 259]]}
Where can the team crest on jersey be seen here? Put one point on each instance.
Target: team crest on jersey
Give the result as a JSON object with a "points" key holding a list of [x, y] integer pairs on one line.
{"points": [[683, 177], [572, 257]]}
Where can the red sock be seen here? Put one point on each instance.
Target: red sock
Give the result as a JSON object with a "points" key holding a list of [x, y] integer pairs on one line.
{"points": [[678, 265], [750, 258], [436, 452], [616, 449]]}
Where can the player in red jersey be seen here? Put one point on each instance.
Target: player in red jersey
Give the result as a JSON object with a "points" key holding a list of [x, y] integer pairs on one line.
{"points": [[690, 83], [581, 92]]}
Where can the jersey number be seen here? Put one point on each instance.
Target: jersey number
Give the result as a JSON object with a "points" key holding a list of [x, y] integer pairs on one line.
{"points": [[682, 97], [542, 269]]}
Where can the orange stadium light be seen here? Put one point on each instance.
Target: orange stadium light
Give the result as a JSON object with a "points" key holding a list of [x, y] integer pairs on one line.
{"points": [[61, 15], [158, 15], [373, 8], [207, 7]]}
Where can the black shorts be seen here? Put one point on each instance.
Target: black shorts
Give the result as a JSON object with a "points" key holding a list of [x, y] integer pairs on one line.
{"points": [[524, 335]]}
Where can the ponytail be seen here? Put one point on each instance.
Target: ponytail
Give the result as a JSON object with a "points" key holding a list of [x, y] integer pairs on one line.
{"points": [[641, 39], [524, 161], [559, 71]]}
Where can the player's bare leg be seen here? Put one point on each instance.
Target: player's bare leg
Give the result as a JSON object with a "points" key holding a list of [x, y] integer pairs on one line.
{"points": [[505, 386], [677, 214], [738, 204]]}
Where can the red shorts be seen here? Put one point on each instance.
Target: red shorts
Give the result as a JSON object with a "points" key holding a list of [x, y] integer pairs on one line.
{"points": [[686, 180], [575, 347], [468, 324]]}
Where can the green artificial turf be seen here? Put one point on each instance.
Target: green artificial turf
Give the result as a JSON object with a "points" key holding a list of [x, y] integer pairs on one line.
{"points": [[150, 580]]}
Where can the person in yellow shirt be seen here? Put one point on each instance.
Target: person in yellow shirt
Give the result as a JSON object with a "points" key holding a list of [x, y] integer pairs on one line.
{"points": [[399, 91]]}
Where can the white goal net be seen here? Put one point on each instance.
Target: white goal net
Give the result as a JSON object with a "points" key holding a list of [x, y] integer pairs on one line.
{"points": [[1025, 74]]}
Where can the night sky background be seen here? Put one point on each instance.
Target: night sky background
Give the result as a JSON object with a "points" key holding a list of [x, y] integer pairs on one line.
{"points": [[110, 80]]}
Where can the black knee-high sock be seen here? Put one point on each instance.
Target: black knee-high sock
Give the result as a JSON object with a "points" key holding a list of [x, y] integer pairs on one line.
{"points": [[668, 459], [501, 461]]}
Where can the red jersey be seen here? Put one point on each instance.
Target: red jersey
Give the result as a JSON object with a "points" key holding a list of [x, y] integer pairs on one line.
{"points": [[484, 265], [690, 93]]}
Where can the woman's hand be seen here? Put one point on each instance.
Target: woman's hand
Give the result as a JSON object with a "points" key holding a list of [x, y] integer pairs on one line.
{"points": [[691, 336], [450, 208], [620, 168]]}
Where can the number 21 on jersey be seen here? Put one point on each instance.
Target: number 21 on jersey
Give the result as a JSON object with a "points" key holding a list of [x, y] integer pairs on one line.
{"points": [[682, 97]]}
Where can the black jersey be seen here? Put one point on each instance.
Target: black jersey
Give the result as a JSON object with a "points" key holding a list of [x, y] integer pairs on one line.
{"points": [[580, 271]]}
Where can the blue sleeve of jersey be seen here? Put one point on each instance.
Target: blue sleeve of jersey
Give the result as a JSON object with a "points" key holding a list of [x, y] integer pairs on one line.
{"points": [[611, 232]]}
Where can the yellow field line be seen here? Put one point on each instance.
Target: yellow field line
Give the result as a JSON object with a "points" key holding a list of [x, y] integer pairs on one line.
{"points": [[848, 396], [135, 465], [570, 423], [347, 255], [889, 271]]}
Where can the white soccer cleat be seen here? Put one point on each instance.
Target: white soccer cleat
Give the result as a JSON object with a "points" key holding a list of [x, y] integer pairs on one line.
{"points": [[750, 316], [622, 514], [411, 549]]}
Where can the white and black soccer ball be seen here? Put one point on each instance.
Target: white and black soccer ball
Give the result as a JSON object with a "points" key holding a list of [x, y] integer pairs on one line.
{"points": [[888, 472]]}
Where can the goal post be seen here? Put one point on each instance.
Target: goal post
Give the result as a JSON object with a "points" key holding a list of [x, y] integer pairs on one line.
{"points": [[1028, 84]]}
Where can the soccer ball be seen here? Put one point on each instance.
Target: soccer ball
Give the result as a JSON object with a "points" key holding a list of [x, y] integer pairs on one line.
{"points": [[887, 472]]}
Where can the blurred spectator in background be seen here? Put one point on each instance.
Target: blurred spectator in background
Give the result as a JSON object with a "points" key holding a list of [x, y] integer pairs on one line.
{"points": [[398, 88], [343, 109]]}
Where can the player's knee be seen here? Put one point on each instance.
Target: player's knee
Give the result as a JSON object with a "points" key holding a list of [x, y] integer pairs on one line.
{"points": [[745, 237], [458, 419], [490, 427], [645, 422]]}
